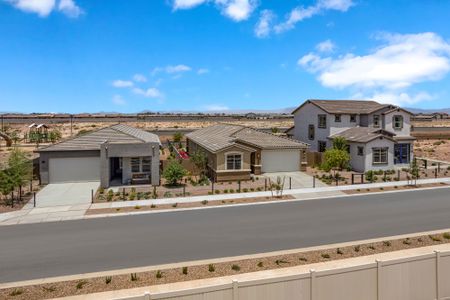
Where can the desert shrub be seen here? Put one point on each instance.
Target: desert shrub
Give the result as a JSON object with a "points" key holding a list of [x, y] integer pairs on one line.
{"points": [[185, 270], [49, 289], [245, 190], [387, 243], [211, 268], [357, 248], [339, 251], [101, 190], [231, 191], [217, 191], [108, 279], [260, 264], [133, 277], [110, 195], [447, 236], [435, 238], [167, 194], [159, 274], [235, 268], [225, 191], [304, 259], [204, 202], [280, 262], [174, 205], [80, 284], [325, 255], [16, 292]]}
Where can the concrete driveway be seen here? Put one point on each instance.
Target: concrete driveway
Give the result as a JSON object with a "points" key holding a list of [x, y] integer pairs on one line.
{"points": [[300, 180], [67, 194]]}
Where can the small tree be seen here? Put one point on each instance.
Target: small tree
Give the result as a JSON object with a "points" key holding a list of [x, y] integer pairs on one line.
{"points": [[200, 160], [174, 172], [20, 168], [6, 184], [177, 137], [414, 171], [277, 186], [55, 135], [340, 143], [335, 159]]}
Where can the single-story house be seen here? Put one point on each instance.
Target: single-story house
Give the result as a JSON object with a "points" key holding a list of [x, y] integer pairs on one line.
{"points": [[120, 154], [235, 152]]}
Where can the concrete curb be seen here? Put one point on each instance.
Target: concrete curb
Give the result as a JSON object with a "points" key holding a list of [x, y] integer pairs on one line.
{"points": [[214, 260]]}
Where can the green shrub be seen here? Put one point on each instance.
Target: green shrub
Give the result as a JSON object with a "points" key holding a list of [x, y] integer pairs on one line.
{"points": [[325, 255], [280, 262], [235, 268], [245, 190], [339, 251], [137, 207], [159, 274], [167, 194], [217, 191], [185, 270], [387, 243], [211, 268], [225, 191], [108, 279], [101, 190], [210, 193], [132, 196], [357, 248], [260, 264], [435, 238], [110, 195], [133, 277], [16, 292], [447, 236], [204, 202], [80, 284], [231, 191]]}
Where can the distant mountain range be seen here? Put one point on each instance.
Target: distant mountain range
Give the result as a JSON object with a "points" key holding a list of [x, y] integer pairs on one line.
{"points": [[428, 111]]}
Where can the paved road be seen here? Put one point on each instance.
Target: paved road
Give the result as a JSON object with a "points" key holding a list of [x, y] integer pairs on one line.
{"points": [[72, 247]]}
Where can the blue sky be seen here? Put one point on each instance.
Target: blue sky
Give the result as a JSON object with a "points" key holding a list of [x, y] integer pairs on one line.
{"points": [[206, 55]]}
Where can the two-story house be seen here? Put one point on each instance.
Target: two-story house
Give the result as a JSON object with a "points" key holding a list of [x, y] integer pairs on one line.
{"points": [[378, 135]]}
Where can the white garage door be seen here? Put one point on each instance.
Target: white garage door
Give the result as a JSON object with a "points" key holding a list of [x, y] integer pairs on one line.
{"points": [[74, 169], [280, 161]]}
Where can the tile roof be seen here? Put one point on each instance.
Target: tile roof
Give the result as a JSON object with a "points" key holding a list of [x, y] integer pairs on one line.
{"points": [[346, 106], [116, 134], [363, 134], [221, 136]]}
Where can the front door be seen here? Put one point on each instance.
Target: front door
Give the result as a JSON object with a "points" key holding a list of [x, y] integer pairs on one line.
{"points": [[402, 154]]}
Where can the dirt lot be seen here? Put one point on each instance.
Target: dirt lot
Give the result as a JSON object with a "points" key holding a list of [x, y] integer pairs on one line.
{"points": [[433, 149], [127, 281]]}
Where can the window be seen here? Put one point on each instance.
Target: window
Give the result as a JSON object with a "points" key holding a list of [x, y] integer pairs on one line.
{"points": [[337, 118], [380, 156], [322, 121], [360, 151], [376, 121], [141, 164], [353, 118], [234, 161], [135, 164], [397, 122], [311, 132], [322, 146], [146, 164], [402, 154]]}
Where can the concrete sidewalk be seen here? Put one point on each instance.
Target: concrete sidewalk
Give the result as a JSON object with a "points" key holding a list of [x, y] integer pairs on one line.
{"points": [[76, 212]]}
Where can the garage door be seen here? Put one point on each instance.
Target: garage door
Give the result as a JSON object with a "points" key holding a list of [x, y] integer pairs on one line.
{"points": [[74, 169], [280, 161]]}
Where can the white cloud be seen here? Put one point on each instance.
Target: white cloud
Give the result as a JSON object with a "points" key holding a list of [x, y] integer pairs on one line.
{"points": [[122, 83], [301, 13], [41, 7], [263, 27], [118, 100], [400, 98], [171, 69], [186, 4], [148, 93], [69, 8], [397, 64], [237, 10], [326, 46], [202, 71], [216, 107], [139, 78]]}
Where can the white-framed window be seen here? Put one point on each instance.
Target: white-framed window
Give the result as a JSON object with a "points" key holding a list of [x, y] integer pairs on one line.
{"points": [[234, 161], [141, 164], [376, 121], [322, 121], [380, 156], [337, 118], [397, 122], [147, 164], [311, 132], [135, 164], [360, 151]]}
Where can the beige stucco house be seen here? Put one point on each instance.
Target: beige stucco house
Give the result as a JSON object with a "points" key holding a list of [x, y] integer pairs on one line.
{"points": [[236, 152]]}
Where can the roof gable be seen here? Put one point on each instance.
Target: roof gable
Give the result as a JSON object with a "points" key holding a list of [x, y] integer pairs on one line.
{"points": [[345, 106]]}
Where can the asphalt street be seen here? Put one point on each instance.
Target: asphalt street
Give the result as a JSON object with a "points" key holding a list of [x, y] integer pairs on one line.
{"points": [[72, 247]]}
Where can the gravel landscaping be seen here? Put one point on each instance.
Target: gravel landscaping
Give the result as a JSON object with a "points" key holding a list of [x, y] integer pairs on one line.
{"points": [[126, 281], [185, 205]]}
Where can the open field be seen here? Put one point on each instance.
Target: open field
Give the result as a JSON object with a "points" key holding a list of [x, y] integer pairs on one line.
{"points": [[433, 149]]}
